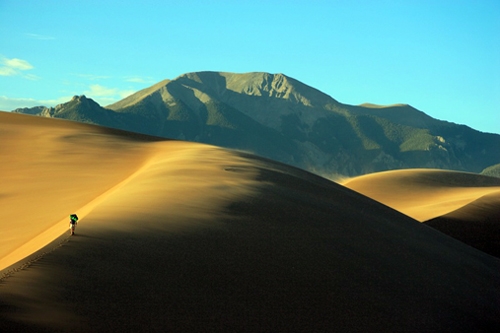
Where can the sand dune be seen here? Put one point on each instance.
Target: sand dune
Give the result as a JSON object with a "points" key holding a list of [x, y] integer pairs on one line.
{"points": [[465, 206], [424, 194], [476, 224], [184, 237], [49, 168]]}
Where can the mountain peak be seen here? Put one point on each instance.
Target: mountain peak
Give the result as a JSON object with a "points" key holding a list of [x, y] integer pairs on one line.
{"points": [[224, 84], [79, 98], [76, 100], [258, 84]]}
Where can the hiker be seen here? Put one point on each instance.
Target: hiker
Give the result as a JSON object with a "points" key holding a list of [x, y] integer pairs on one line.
{"points": [[73, 221]]}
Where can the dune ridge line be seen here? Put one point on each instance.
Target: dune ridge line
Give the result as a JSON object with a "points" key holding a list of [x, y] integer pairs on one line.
{"points": [[424, 194], [53, 232]]}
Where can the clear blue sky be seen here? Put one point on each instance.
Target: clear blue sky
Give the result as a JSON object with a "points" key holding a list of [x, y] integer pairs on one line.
{"points": [[440, 56]]}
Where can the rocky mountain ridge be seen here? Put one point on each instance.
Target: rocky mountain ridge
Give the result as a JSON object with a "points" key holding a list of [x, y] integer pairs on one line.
{"points": [[278, 117]]}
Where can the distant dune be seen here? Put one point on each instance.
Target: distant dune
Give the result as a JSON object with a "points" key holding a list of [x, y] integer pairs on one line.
{"points": [[463, 205], [185, 237], [424, 194], [476, 224]]}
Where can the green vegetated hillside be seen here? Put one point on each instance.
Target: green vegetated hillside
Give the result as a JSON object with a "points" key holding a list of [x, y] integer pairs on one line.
{"points": [[493, 171], [278, 117]]}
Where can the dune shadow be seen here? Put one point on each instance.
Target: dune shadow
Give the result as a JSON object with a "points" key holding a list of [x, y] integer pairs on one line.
{"points": [[80, 235]]}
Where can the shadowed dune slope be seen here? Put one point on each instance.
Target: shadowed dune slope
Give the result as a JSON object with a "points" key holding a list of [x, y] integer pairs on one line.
{"points": [[184, 237], [476, 224], [465, 206]]}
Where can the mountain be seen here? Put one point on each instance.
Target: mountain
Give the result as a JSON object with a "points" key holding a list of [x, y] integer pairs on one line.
{"points": [[79, 108], [278, 117]]}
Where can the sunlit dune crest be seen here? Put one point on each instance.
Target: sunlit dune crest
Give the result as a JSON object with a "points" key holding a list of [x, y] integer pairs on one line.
{"points": [[465, 206], [476, 224], [183, 237], [424, 194]]}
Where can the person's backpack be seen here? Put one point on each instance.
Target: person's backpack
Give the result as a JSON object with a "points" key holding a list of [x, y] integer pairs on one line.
{"points": [[73, 218]]}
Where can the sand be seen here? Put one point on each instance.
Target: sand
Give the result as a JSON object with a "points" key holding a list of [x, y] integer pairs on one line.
{"points": [[424, 194], [476, 224], [184, 237], [49, 170], [465, 206]]}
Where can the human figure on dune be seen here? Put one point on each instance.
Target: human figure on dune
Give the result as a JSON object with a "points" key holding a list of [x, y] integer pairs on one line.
{"points": [[73, 221]]}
